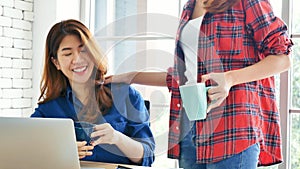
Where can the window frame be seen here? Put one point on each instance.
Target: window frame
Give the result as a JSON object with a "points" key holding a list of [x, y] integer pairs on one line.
{"points": [[286, 108]]}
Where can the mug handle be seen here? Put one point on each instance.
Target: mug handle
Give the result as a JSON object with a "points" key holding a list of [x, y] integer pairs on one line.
{"points": [[212, 101], [208, 87]]}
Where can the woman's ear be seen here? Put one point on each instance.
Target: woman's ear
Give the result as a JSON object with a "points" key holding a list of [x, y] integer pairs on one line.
{"points": [[55, 62]]}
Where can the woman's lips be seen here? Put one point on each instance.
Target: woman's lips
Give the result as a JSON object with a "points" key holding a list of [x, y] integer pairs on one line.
{"points": [[79, 69]]}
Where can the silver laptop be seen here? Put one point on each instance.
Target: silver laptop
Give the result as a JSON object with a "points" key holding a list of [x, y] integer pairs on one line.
{"points": [[37, 143]]}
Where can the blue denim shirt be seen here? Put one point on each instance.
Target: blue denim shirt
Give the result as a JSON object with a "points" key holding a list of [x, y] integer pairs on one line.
{"points": [[128, 115]]}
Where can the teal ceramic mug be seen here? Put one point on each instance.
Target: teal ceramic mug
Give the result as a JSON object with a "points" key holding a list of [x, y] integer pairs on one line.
{"points": [[194, 99]]}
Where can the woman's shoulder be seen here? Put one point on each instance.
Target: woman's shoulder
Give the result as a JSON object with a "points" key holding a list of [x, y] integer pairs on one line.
{"points": [[53, 104], [53, 101], [123, 94], [51, 108]]}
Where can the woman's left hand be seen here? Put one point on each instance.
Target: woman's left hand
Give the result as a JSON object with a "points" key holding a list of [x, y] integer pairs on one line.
{"points": [[217, 94], [84, 149], [105, 134]]}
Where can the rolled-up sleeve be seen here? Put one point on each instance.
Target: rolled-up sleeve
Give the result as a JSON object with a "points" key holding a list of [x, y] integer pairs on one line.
{"points": [[269, 32], [148, 158], [138, 127]]}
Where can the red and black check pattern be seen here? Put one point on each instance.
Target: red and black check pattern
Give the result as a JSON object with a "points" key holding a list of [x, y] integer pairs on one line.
{"points": [[237, 38]]}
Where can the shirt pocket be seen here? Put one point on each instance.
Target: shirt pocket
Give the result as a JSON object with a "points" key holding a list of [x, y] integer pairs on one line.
{"points": [[229, 38]]}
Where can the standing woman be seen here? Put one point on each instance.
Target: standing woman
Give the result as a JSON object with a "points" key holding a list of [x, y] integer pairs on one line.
{"points": [[235, 46], [69, 90]]}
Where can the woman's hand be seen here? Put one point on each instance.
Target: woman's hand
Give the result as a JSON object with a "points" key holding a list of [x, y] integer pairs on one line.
{"points": [[217, 94], [105, 134], [83, 149], [257, 71]]}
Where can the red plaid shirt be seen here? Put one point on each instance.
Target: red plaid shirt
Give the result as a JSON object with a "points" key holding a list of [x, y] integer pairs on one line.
{"points": [[237, 38]]}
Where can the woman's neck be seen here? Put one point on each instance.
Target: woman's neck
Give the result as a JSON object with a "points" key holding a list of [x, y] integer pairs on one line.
{"points": [[198, 10], [82, 91]]}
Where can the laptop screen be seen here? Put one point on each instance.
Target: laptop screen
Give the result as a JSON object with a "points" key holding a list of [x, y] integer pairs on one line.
{"points": [[30, 143]]}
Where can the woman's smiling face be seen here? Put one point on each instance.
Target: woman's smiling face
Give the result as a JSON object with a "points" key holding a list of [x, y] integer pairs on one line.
{"points": [[73, 60]]}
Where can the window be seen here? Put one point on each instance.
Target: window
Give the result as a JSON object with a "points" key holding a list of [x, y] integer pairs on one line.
{"points": [[290, 92], [295, 88], [128, 33]]}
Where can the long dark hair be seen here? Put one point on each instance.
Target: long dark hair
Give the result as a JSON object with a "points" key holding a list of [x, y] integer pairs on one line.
{"points": [[54, 83]]}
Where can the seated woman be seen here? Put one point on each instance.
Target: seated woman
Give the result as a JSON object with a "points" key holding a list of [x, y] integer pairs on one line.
{"points": [[71, 87]]}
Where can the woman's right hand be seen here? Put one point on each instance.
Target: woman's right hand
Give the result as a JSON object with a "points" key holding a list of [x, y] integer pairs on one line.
{"points": [[83, 149]]}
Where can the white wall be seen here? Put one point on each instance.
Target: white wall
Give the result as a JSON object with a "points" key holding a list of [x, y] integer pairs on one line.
{"points": [[47, 13], [23, 29], [16, 17]]}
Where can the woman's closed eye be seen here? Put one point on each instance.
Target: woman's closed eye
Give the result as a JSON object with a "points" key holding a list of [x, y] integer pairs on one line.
{"points": [[67, 54]]}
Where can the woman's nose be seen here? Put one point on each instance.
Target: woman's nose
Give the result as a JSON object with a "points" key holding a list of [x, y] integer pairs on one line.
{"points": [[76, 57]]}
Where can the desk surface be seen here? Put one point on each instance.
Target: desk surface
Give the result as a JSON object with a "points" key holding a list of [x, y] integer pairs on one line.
{"points": [[89, 164]]}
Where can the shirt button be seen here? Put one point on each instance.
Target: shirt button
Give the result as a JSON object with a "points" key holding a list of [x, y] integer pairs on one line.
{"points": [[178, 105]]}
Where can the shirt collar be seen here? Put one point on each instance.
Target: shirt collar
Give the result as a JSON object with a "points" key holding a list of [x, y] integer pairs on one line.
{"points": [[69, 93]]}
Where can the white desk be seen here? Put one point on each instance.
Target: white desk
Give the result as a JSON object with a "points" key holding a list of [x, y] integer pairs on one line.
{"points": [[89, 164]]}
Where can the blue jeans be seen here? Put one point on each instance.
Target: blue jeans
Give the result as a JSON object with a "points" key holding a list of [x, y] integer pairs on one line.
{"points": [[248, 159]]}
